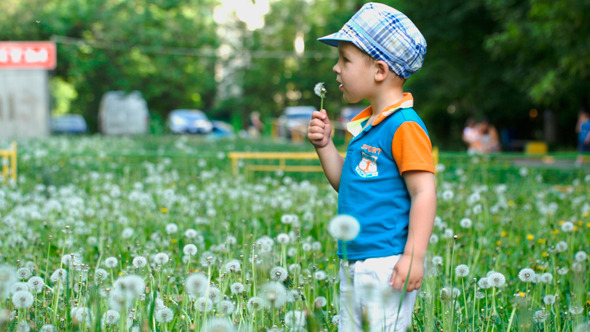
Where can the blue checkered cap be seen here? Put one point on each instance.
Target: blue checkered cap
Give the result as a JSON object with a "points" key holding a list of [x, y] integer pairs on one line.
{"points": [[384, 34]]}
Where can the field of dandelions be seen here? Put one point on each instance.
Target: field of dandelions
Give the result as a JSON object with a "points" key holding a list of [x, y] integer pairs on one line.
{"points": [[157, 234]]}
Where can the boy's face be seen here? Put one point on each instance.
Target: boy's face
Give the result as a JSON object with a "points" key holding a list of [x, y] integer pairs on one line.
{"points": [[355, 74]]}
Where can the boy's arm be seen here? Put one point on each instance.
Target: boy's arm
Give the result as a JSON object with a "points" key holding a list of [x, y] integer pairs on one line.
{"points": [[318, 133], [422, 192]]}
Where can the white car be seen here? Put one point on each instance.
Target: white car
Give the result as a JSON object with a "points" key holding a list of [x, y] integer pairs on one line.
{"points": [[185, 121]]}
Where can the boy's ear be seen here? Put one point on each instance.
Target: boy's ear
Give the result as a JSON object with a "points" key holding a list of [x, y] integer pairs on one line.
{"points": [[382, 70]]}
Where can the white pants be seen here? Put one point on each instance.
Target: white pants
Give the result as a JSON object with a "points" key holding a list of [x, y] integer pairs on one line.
{"points": [[366, 299]]}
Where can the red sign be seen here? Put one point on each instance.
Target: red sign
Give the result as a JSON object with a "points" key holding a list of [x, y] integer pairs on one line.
{"points": [[27, 55]]}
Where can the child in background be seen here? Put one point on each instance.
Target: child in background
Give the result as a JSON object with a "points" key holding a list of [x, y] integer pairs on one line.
{"points": [[386, 180], [583, 131]]}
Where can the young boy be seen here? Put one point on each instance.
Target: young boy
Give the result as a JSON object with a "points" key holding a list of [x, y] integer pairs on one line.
{"points": [[386, 180]]}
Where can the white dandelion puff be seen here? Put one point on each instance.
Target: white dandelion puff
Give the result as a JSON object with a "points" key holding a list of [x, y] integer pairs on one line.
{"points": [[22, 299], [190, 249], [139, 262], [549, 299], [344, 227], [466, 223], [171, 228], [567, 227], [164, 315], [111, 262], [161, 258], [203, 304], [36, 284], [526, 275], [226, 307], [101, 274], [484, 283], [255, 304], [497, 279], [218, 324], [196, 284], [320, 302], [437, 260], [59, 275], [278, 273], [561, 246], [546, 278], [580, 256], [295, 319], [233, 266], [111, 317], [462, 270], [274, 294], [237, 288], [23, 273]]}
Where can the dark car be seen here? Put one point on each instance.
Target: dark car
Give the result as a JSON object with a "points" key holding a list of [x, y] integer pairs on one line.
{"points": [[68, 124], [186, 121]]}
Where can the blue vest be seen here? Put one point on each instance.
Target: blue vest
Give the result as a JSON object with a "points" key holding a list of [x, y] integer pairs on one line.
{"points": [[373, 191]]}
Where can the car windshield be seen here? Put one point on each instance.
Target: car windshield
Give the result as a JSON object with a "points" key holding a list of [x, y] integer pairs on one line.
{"points": [[191, 116]]}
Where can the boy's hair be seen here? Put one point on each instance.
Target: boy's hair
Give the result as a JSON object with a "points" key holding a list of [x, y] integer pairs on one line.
{"points": [[384, 34]]}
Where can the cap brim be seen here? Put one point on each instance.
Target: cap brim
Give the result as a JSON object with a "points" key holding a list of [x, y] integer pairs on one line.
{"points": [[335, 38]]}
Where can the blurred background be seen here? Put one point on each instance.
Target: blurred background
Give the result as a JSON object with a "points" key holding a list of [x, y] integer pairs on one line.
{"points": [[522, 65]]}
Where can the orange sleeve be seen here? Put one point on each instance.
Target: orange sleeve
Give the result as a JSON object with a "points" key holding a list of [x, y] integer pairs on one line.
{"points": [[412, 150]]}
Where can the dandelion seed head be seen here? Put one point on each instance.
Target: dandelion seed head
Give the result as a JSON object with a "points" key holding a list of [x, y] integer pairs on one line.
{"points": [[433, 239], [36, 284], [561, 246], [344, 227], [320, 275], [127, 232], [577, 267], [255, 303], [204, 304], [59, 275], [567, 227], [164, 316], [218, 324], [196, 284], [546, 278], [139, 262], [576, 309], [539, 316], [484, 283], [437, 260], [278, 273], [295, 319], [161, 258], [190, 249], [549, 299], [111, 262], [526, 275], [226, 307], [111, 317], [320, 302], [23, 273], [320, 90], [22, 299], [237, 288], [497, 279], [562, 271], [462, 270], [283, 238], [580, 256], [466, 223], [101, 274], [233, 266], [274, 294]]}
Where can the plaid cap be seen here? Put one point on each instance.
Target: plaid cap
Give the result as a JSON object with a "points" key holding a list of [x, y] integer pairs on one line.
{"points": [[384, 34]]}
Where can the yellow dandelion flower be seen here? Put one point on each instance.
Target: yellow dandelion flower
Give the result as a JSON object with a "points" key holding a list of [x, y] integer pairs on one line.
{"points": [[542, 241], [530, 237], [498, 243], [164, 210], [544, 254], [521, 294], [555, 231], [504, 233], [174, 241], [561, 222], [585, 214], [575, 228], [510, 203], [588, 225]]}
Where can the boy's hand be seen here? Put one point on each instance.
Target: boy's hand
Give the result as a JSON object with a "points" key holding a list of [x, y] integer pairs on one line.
{"points": [[400, 273], [319, 129]]}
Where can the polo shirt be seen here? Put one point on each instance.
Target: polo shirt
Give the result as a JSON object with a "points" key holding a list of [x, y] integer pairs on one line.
{"points": [[372, 188]]}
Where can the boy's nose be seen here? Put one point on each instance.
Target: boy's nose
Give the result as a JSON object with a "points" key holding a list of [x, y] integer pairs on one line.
{"points": [[336, 69]]}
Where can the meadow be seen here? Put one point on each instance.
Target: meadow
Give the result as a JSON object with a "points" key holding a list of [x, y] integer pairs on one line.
{"points": [[157, 234]]}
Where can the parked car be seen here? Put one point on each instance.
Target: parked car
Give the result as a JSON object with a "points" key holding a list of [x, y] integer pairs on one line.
{"points": [[186, 121], [222, 129], [294, 120], [68, 124]]}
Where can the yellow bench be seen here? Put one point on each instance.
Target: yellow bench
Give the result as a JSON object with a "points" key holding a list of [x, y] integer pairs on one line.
{"points": [[536, 147], [9, 163], [282, 157]]}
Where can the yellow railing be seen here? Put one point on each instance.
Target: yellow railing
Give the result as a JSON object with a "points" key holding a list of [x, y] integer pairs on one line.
{"points": [[9, 163]]}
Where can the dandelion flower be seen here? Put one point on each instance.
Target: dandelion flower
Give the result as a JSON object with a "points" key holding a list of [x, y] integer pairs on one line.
{"points": [[320, 275], [196, 284], [336, 320], [562, 271], [539, 316], [561, 246], [190, 249], [320, 91], [47, 328], [549, 299], [111, 262], [295, 318], [497, 279], [580, 256], [161, 258], [466, 223], [233, 266], [567, 227], [171, 228], [111, 317], [101, 274], [576, 309], [437, 260], [344, 227], [139, 262], [218, 324], [255, 303], [433, 238], [23, 273], [36, 284], [526, 275], [207, 259], [164, 315], [484, 283], [283, 238], [546, 278], [22, 299], [274, 294], [294, 295], [59, 275], [204, 304], [237, 288], [577, 267], [127, 232], [320, 302], [226, 307], [462, 270], [278, 273]]}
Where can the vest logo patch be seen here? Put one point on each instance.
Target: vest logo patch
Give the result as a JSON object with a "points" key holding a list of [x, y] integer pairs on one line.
{"points": [[367, 168]]}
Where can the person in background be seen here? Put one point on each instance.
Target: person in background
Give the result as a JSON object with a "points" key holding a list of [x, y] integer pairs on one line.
{"points": [[471, 136], [488, 136], [255, 125], [583, 131]]}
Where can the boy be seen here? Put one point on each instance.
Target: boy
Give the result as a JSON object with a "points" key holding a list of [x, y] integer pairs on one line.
{"points": [[386, 180]]}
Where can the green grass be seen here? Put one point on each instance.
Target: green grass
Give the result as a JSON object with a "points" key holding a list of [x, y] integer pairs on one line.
{"points": [[87, 199]]}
